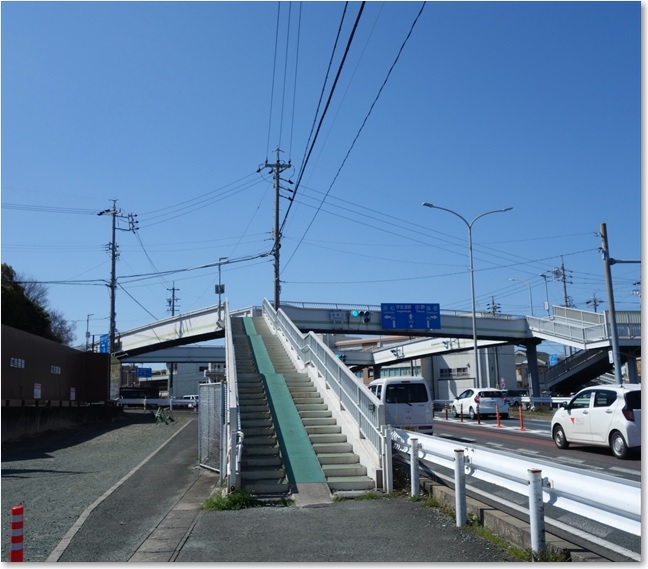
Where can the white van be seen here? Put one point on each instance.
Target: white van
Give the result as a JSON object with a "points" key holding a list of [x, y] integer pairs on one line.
{"points": [[407, 400]]}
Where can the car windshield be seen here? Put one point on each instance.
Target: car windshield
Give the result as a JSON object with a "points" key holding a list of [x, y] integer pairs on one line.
{"points": [[633, 399]]}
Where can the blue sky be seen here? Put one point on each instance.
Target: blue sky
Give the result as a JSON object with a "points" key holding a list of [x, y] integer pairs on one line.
{"points": [[170, 108]]}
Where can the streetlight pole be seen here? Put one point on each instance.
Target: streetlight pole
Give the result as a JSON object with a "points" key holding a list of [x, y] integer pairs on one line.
{"points": [[88, 331], [221, 288], [469, 225], [545, 277], [530, 295]]}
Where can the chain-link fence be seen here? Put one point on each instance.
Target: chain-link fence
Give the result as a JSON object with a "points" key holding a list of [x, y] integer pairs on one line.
{"points": [[211, 421]]}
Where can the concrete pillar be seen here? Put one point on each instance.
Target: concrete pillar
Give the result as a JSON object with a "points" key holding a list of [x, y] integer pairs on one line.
{"points": [[532, 363]]}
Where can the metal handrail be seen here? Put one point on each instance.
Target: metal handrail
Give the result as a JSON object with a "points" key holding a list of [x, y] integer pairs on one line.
{"points": [[234, 439], [363, 407], [614, 502]]}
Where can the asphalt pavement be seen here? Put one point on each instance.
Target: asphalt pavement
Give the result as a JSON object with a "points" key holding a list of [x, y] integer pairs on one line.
{"points": [[154, 515]]}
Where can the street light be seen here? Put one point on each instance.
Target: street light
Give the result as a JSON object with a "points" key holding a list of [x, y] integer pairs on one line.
{"points": [[529, 285], [88, 331], [221, 288], [469, 225], [545, 277]]}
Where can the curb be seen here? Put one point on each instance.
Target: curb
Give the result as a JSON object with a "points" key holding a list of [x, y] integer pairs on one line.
{"points": [[507, 527], [164, 543]]}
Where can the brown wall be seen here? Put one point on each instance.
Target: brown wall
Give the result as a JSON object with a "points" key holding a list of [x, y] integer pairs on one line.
{"points": [[65, 375]]}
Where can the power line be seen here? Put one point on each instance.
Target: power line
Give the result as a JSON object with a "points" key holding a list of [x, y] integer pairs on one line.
{"points": [[364, 122]]}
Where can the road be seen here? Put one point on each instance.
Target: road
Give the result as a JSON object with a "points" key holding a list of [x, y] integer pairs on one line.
{"points": [[535, 441]]}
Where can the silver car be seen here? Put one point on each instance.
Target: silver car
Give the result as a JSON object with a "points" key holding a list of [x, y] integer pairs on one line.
{"points": [[482, 401]]}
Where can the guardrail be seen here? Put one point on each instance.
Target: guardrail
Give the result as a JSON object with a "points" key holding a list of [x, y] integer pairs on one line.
{"points": [[614, 502]]}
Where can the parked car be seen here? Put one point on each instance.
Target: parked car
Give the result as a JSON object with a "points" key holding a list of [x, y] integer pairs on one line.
{"points": [[485, 401], [514, 396], [407, 400], [192, 400], [605, 415]]}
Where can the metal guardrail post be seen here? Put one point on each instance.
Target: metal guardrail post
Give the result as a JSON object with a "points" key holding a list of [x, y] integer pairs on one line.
{"points": [[388, 471], [414, 468], [460, 487], [536, 511]]}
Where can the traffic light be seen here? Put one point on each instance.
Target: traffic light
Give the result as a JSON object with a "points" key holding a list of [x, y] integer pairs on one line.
{"points": [[363, 315]]}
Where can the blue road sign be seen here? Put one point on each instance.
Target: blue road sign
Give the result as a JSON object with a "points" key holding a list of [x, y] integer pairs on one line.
{"points": [[144, 372], [104, 344], [410, 316]]}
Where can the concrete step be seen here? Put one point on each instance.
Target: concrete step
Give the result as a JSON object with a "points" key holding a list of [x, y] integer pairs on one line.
{"points": [[302, 388], [265, 431], [266, 488], [329, 448], [258, 451], [314, 399], [323, 429], [338, 458], [252, 399], [312, 421], [311, 407], [256, 422], [350, 483], [261, 461], [263, 473], [314, 413], [260, 440], [327, 438], [259, 409], [343, 470]]}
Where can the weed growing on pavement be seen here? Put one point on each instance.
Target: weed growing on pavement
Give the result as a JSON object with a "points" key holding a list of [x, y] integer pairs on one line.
{"points": [[237, 500]]}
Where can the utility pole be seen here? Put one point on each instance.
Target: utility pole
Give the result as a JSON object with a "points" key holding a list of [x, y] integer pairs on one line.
{"points": [[494, 307], [594, 302], [171, 302], [277, 168], [112, 248], [614, 334], [560, 274]]}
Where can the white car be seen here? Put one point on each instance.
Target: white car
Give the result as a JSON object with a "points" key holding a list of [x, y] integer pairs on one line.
{"points": [[485, 401], [407, 401], [605, 415]]}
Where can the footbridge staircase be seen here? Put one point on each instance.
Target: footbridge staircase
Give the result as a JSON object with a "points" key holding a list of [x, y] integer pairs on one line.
{"points": [[297, 430]]}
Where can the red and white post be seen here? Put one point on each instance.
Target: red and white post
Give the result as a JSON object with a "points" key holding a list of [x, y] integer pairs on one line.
{"points": [[16, 553]]}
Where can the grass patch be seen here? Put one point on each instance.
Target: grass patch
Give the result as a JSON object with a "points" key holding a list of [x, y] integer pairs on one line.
{"points": [[237, 500]]}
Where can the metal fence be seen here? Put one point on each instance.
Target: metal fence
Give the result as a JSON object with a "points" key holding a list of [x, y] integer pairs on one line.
{"points": [[211, 418]]}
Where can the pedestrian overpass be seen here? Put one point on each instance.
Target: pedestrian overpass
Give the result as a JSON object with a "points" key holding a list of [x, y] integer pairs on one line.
{"points": [[169, 340]]}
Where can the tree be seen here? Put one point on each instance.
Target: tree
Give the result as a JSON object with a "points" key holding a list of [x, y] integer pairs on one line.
{"points": [[24, 306]]}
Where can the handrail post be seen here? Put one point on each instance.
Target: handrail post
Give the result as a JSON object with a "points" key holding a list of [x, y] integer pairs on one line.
{"points": [[388, 477], [536, 512], [460, 487]]}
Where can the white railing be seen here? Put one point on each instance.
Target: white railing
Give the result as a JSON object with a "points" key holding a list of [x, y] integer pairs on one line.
{"points": [[362, 406], [614, 502], [234, 435]]}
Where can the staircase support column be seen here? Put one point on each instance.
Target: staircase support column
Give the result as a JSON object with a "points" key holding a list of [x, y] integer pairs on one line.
{"points": [[532, 365]]}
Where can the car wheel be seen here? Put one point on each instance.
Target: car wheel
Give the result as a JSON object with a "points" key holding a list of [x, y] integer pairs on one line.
{"points": [[618, 445], [471, 413], [454, 412], [559, 437]]}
